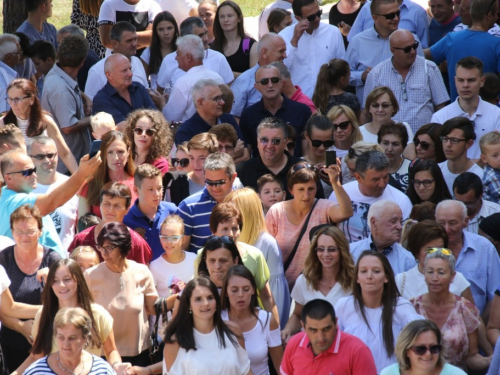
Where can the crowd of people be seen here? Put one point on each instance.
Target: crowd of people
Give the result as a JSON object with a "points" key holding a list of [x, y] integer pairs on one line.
{"points": [[182, 197]]}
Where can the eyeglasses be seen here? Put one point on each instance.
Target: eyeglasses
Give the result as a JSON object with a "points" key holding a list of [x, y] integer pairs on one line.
{"points": [[217, 99], [184, 162], [223, 239], [403, 88], [328, 250], [453, 141], [25, 173], [442, 250], [16, 101], [407, 49], [422, 349], [423, 145], [426, 183], [390, 16], [105, 249], [312, 17], [217, 183], [298, 167], [140, 131], [317, 143], [352, 153], [275, 141], [29, 233], [225, 148], [43, 156], [383, 105], [265, 81], [170, 238]]}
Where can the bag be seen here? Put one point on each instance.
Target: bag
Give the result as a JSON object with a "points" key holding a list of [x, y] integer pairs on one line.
{"points": [[246, 45], [156, 347], [176, 187]]}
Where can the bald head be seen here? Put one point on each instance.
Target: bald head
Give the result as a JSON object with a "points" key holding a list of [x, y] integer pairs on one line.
{"points": [[118, 70], [271, 48], [400, 35], [111, 61], [403, 48]]}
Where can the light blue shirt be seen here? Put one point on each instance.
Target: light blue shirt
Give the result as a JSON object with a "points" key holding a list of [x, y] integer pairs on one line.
{"points": [[7, 75], [245, 93]]}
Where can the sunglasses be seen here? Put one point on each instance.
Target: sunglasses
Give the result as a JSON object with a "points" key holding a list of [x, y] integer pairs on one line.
{"points": [[422, 349], [275, 141], [423, 145], [43, 156], [312, 17], [390, 16], [298, 167], [170, 238], [217, 183], [140, 131], [442, 250], [182, 162], [223, 239], [407, 49], [26, 172], [317, 143], [352, 153], [342, 126], [265, 81]]}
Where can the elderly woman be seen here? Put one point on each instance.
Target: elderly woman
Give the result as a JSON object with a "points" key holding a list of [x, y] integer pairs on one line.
{"points": [[457, 318], [428, 143], [73, 333], [126, 289], [22, 261], [419, 351]]}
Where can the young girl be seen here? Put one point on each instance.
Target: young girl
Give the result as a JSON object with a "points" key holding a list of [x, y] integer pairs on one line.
{"points": [[270, 190], [85, 256]]}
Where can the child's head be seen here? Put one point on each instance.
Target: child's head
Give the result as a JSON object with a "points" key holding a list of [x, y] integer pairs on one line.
{"points": [[490, 149], [85, 256], [181, 161], [199, 147], [102, 123], [88, 220], [491, 88], [148, 185], [226, 136], [171, 233], [271, 190]]}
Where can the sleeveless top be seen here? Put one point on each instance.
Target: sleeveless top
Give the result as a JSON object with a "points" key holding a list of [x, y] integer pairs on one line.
{"points": [[240, 60]]}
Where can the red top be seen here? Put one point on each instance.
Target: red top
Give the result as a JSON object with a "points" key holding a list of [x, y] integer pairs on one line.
{"points": [[300, 97], [162, 164]]}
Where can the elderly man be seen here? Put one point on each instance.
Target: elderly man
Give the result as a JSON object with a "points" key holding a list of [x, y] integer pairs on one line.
{"points": [[272, 104], [10, 56], [120, 95], [417, 83], [385, 221], [124, 40], [371, 185], [476, 257], [190, 55], [36, 27]]}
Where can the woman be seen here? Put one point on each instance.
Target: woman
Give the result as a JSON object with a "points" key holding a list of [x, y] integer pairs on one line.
{"points": [[27, 114], [72, 332], [22, 261], [278, 19], [260, 330], [456, 317], [230, 38], [419, 351], [254, 232], [198, 341], [117, 166], [181, 162], [126, 289], [345, 129], [423, 236], [66, 288], [343, 14], [349, 161], [165, 33], [286, 220], [85, 14], [426, 183], [381, 105], [152, 138], [328, 274], [428, 142], [375, 313], [206, 11]]}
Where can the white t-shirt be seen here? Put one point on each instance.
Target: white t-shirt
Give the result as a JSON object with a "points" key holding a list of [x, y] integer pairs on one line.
{"points": [[163, 272], [370, 137], [179, 8], [415, 285], [65, 217], [450, 177], [303, 293]]}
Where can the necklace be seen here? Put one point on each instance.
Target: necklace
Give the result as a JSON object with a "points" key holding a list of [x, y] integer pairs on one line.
{"points": [[327, 284], [68, 370]]}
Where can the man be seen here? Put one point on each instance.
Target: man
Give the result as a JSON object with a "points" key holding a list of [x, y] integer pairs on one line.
{"points": [[20, 177], [457, 136], [476, 257], [271, 48], [468, 189], [264, 15], [321, 346], [36, 27], [371, 185], [43, 153], [310, 44], [10, 56], [464, 13], [63, 99], [474, 41], [385, 221], [148, 212], [169, 70], [120, 95], [485, 116], [386, 16], [11, 138], [123, 40], [444, 21], [43, 55], [273, 104], [417, 83]]}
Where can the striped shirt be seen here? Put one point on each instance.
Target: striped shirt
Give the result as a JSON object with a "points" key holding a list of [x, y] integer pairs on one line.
{"points": [[41, 367], [487, 209]]}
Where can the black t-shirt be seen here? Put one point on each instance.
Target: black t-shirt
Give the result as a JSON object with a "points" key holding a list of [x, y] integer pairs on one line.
{"points": [[240, 60], [335, 17]]}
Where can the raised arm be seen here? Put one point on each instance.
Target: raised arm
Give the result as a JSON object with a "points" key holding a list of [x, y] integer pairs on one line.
{"points": [[343, 210], [62, 148]]}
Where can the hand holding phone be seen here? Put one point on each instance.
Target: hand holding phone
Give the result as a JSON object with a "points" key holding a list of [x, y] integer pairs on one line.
{"points": [[94, 149], [331, 157]]}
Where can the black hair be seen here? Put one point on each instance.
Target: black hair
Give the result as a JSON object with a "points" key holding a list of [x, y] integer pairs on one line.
{"points": [[317, 309], [468, 181], [461, 123], [43, 50]]}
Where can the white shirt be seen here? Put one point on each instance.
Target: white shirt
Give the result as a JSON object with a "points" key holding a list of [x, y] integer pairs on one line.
{"points": [[486, 119], [487, 209], [303, 293], [283, 4], [97, 77], [312, 51], [180, 106], [170, 72], [373, 138], [179, 8], [450, 177], [163, 272]]}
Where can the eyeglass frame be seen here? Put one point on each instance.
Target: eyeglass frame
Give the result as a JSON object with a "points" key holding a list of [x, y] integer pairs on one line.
{"points": [[265, 81], [16, 101], [142, 131], [275, 141], [170, 238], [26, 173], [313, 17], [390, 16], [408, 49], [425, 145], [40, 157], [427, 183], [105, 248], [217, 99], [176, 162], [442, 250], [453, 141]]}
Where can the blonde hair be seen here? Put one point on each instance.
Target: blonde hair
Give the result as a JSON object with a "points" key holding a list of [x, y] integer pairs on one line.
{"points": [[336, 111], [173, 219], [84, 249], [489, 139], [359, 148], [100, 120]]}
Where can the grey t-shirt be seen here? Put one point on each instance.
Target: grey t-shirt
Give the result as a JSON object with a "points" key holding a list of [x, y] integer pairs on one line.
{"points": [[49, 33]]}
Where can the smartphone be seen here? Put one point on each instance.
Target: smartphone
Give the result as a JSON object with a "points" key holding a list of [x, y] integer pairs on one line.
{"points": [[94, 149], [331, 157]]}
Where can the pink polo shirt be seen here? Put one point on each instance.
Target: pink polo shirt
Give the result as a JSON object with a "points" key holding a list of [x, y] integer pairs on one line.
{"points": [[300, 97], [348, 355]]}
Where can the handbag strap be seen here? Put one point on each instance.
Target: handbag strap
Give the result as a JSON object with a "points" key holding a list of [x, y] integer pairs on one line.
{"points": [[159, 306], [302, 231]]}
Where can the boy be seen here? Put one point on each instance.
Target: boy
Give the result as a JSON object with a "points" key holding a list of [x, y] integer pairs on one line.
{"points": [[226, 137], [271, 191], [490, 155], [102, 123], [148, 212]]}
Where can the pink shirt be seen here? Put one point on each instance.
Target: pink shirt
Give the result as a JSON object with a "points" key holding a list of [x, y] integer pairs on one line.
{"points": [[300, 97]]}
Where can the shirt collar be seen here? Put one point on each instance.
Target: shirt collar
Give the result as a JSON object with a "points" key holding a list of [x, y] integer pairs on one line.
{"points": [[333, 349], [206, 195], [70, 81], [9, 70], [386, 250], [110, 90], [466, 246]]}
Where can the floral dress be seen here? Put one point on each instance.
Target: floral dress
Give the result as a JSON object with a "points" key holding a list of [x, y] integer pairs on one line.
{"points": [[88, 23], [462, 321]]}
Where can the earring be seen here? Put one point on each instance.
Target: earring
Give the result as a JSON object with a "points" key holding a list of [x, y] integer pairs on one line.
{"points": [[190, 311]]}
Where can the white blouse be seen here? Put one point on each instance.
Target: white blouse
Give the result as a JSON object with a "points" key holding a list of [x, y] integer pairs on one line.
{"points": [[303, 293]]}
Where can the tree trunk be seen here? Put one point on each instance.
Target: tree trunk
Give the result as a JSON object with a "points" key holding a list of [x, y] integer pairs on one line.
{"points": [[14, 14]]}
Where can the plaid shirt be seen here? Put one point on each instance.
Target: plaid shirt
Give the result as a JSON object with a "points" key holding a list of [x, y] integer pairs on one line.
{"points": [[491, 184]]}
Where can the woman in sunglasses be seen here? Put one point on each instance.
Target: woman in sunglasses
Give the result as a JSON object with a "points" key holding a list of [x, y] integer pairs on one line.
{"points": [[457, 318], [419, 352], [428, 143], [426, 183], [181, 161], [152, 138]]}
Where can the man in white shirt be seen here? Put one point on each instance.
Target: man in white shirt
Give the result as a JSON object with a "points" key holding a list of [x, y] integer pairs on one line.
{"points": [[43, 153], [10, 56], [371, 185], [169, 70], [190, 55], [310, 44], [457, 136], [124, 40], [485, 117]]}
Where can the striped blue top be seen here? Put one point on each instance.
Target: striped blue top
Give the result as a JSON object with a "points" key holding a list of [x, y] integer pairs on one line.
{"points": [[41, 367]]}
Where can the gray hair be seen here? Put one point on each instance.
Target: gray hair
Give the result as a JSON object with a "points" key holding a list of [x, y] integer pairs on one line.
{"points": [[191, 44], [8, 44], [450, 203], [41, 140], [371, 160], [266, 41], [198, 90], [439, 255], [273, 123], [70, 30], [218, 161], [284, 72], [377, 208], [187, 26]]}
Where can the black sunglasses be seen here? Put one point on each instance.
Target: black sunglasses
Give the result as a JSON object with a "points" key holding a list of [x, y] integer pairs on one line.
{"points": [[223, 239], [140, 131], [390, 16], [275, 141], [352, 153], [317, 143], [43, 156], [312, 17], [342, 126], [182, 162], [424, 145], [265, 81], [215, 183], [422, 349], [407, 49], [298, 167], [26, 172]]}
